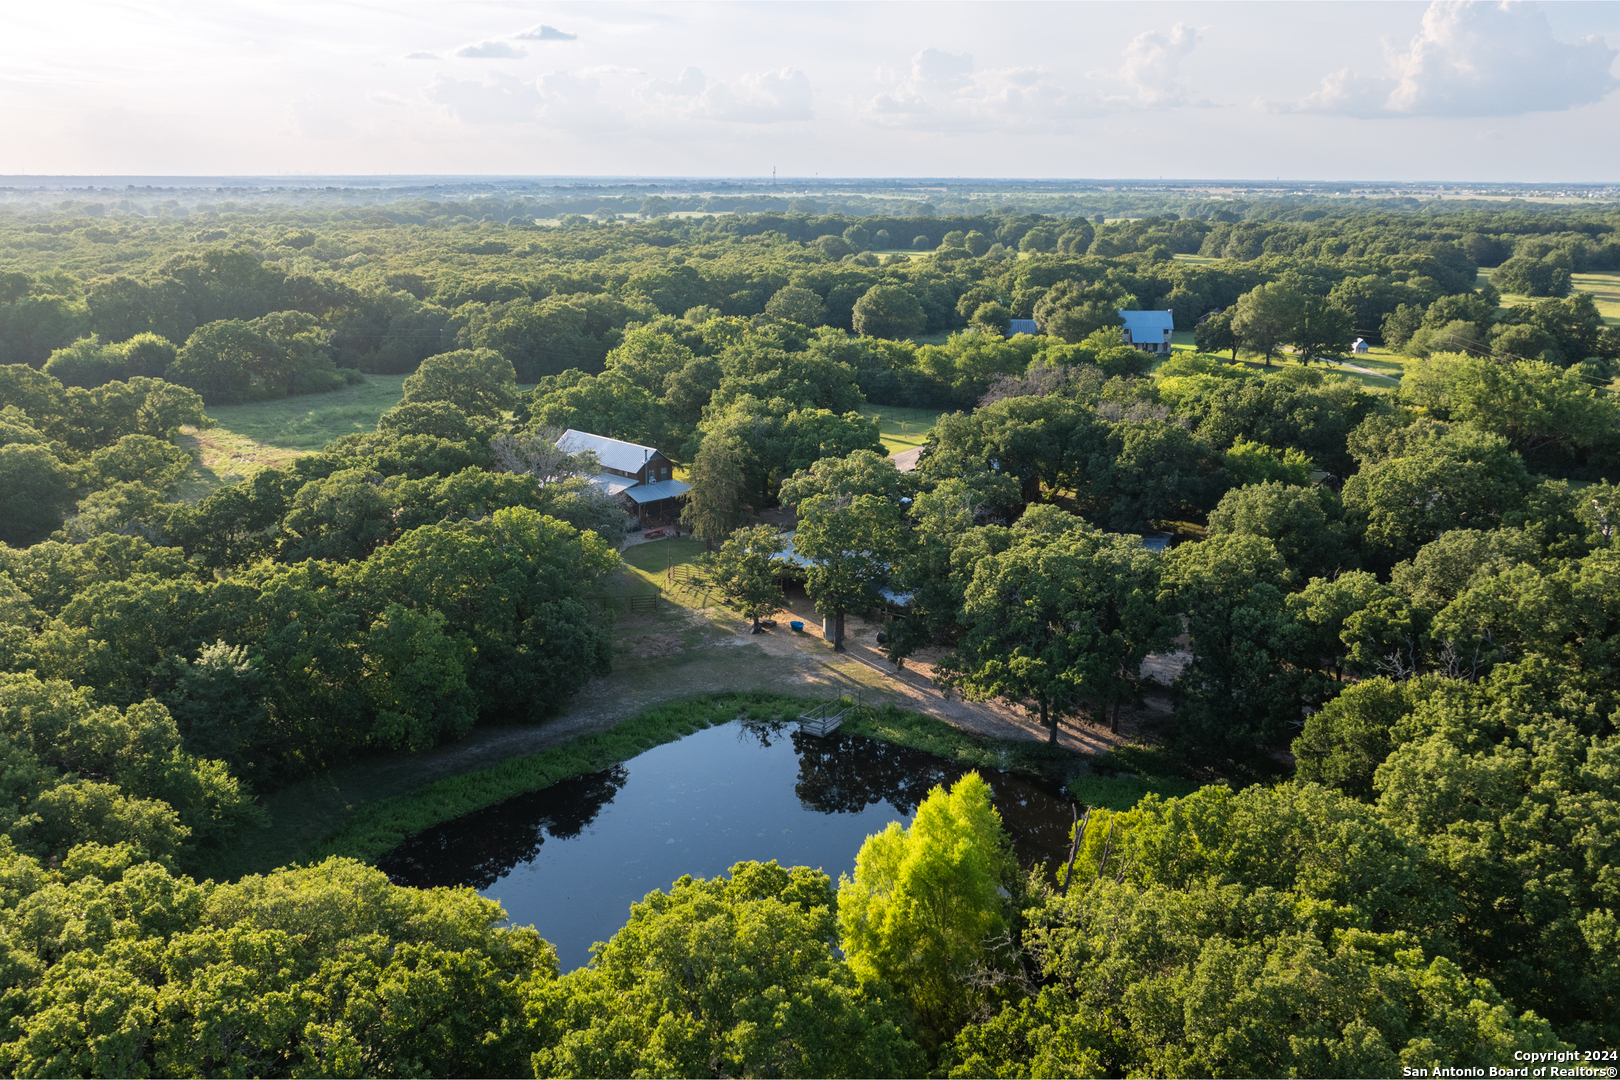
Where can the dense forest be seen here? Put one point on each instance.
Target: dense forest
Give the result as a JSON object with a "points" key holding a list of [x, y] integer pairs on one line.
{"points": [[1401, 605]]}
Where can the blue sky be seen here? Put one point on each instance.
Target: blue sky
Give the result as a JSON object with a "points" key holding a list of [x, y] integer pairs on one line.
{"points": [[1376, 91]]}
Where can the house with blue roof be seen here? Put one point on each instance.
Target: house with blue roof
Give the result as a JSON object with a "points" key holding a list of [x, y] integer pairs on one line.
{"points": [[1148, 330]]}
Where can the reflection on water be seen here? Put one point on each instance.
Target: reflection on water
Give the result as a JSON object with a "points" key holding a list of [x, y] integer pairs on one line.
{"points": [[572, 858]]}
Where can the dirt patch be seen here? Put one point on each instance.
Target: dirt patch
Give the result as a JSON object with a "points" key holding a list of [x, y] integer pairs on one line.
{"points": [[654, 645]]}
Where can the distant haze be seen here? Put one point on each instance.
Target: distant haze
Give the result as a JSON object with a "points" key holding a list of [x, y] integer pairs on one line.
{"points": [[1504, 92]]}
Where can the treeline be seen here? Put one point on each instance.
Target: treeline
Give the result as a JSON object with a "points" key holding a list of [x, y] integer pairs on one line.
{"points": [[261, 307]]}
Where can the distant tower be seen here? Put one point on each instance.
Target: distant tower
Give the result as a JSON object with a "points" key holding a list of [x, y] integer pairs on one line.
{"points": [[773, 176]]}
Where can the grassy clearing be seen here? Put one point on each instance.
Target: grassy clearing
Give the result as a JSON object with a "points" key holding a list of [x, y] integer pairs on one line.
{"points": [[1605, 290], [246, 438], [311, 421], [903, 429], [1604, 287]]}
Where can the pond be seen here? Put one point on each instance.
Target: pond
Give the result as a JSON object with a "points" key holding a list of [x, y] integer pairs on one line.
{"points": [[570, 859]]}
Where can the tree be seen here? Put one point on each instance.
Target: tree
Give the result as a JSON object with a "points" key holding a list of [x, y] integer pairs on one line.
{"points": [[480, 382], [35, 488], [1463, 479], [991, 318], [1071, 310], [1236, 700], [851, 542], [1266, 316], [748, 570], [716, 505], [1322, 330], [734, 975], [888, 311], [1172, 890], [1214, 334], [797, 305], [1295, 519], [86, 362], [924, 902], [1062, 618], [224, 361]]}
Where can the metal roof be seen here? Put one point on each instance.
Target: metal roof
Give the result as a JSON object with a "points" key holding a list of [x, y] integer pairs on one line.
{"points": [[613, 484], [1148, 325], [664, 489], [1022, 326], [614, 454]]}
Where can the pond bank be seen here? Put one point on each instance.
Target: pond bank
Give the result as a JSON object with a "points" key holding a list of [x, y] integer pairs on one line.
{"points": [[367, 830]]}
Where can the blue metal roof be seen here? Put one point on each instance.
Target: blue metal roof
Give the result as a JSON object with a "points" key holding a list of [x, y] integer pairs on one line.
{"points": [[1141, 323]]}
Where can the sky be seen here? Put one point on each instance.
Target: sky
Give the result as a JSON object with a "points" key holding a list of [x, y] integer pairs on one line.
{"points": [[1321, 91]]}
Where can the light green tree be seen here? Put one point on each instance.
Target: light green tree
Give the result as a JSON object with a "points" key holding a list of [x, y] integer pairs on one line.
{"points": [[733, 976], [925, 901]]}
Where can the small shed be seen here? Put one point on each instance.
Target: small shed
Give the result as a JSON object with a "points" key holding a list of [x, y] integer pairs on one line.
{"points": [[1360, 347], [1148, 331]]}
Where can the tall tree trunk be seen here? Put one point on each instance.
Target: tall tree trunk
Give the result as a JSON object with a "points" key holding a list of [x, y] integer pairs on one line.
{"points": [[1050, 723], [1113, 717], [838, 631]]}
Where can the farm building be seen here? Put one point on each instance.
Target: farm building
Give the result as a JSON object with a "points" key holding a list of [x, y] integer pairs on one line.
{"points": [[1148, 330], [1022, 326], [643, 478], [1360, 347]]}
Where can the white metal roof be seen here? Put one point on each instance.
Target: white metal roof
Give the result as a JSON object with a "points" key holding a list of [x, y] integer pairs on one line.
{"points": [[612, 453], [612, 483], [664, 489], [1148, 325]]}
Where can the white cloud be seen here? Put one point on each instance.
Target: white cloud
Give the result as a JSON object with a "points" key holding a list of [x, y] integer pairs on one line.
{"points": [[944, 92], [499, 99], [558, 100], [770, 97], [1472, 59], [421, 56], [546, 33], [492, 50], [1151, 75]]}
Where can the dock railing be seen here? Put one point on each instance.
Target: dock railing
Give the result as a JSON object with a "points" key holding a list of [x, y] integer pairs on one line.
{"points": [[824, 719]]}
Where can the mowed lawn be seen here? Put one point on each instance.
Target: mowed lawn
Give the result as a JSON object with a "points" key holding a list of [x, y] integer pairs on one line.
{"points": [[903, 429], [246, 438]]}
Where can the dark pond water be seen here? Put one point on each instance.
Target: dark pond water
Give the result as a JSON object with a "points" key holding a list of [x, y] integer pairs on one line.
{"points": [[571, 859]]}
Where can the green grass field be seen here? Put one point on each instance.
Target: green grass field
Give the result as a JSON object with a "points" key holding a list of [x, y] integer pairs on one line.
{"points": [[246, 438], [1604, 287], [903, 429]]}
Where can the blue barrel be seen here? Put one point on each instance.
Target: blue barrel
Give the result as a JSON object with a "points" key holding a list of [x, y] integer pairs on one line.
{"points": [[797, 626]]}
